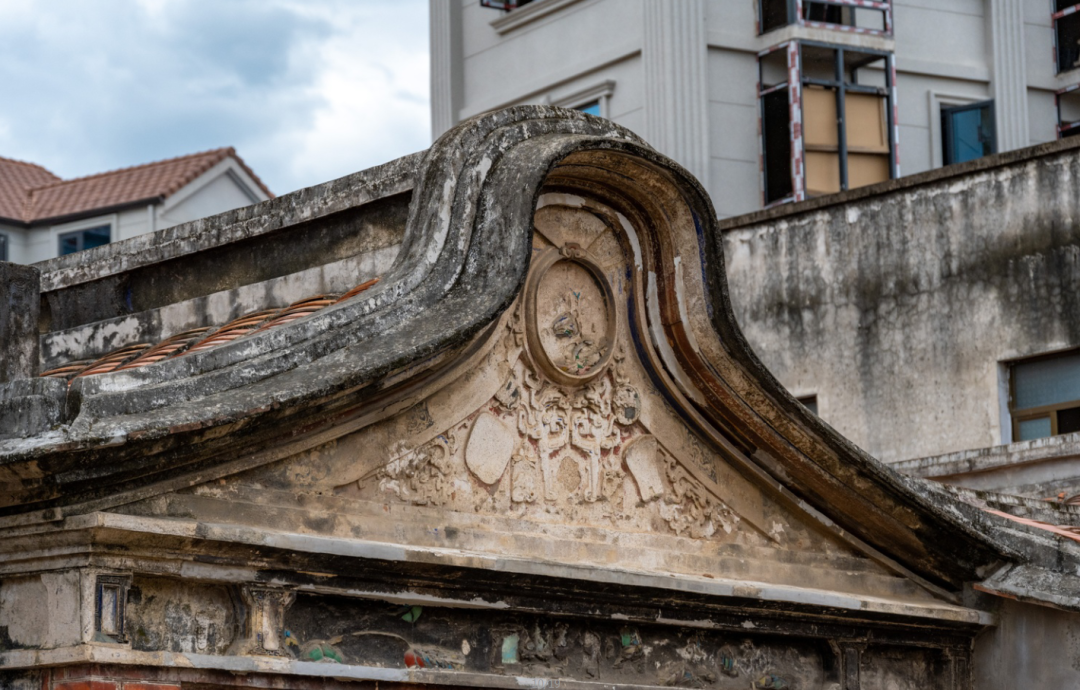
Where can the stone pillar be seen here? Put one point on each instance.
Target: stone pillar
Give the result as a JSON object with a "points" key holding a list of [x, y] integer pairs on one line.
{"points": [[447, 84], [1009, 74], [265, 620], [959, 668], [20, 303], [675, 53], [848, 660]]}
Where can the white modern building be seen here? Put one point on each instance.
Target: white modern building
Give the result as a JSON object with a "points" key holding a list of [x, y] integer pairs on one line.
{"points": [[43, 216], [746, 93]]}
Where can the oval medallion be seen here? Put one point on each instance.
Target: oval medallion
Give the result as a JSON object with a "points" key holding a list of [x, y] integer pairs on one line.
{"points": [[571, 316]]}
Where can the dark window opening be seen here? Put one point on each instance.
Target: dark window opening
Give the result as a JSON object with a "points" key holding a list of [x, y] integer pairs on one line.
{"points": [[831, 14], [1045, 396], [776, 115], [504, 5], [809, 402], [71, 242], [3, 247], [967, 132], [864, 15], [1068, 111], [1068, 42], [775, 14]]}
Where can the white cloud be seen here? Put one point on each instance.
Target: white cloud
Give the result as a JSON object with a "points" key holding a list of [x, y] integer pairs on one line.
{"points": [[306, 91], [372, 87]]}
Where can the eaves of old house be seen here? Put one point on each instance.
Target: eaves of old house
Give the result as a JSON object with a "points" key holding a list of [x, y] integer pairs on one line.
{"points": [[481, 416]]}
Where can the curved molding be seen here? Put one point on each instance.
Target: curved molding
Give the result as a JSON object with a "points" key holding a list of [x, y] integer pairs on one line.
{"points": [[543, 264], [463, 261]]}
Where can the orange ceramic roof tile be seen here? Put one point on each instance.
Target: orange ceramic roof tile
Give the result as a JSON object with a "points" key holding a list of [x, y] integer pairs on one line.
{"points": [[1066, 531], [29, 193], [198, 339], [16, 180], [127, 185]]}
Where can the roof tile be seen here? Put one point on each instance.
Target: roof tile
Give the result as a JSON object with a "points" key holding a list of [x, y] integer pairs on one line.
{"points": [[16, 180], [30, 193], [195, 340]]}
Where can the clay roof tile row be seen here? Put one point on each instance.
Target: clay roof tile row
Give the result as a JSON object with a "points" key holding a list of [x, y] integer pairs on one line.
{"points": [[30, 193], [198, 339], [1066, 531], [17, 179]]}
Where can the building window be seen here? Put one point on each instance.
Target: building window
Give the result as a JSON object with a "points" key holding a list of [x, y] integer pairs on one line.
{"points": [[594, 100], [71, 242], [827, 119], [1068, 111], [590, 108], [859, 16], [967, 132], [809, 402], [504, 5], [1066, 19], [3, 247], [1045, 396]]}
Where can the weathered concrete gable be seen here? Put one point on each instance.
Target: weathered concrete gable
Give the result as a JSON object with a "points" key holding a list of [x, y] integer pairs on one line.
{"points": [[547, 440]]}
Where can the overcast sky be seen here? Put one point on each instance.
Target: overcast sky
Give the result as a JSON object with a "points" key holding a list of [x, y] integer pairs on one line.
{"points": [[306, 90]]}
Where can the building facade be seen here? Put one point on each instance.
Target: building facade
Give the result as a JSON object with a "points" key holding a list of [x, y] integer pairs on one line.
{"points": [[478, 417], [921, 302], [43, 216], [746, 93], [933, 320]]}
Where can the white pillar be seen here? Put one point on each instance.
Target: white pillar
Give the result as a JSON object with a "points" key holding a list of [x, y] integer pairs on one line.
{"points": [[675, 54], [447, 84], [1010, 74]]}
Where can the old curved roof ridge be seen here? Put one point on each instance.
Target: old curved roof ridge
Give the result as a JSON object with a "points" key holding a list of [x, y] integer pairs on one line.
{"points": [[461, 262]]}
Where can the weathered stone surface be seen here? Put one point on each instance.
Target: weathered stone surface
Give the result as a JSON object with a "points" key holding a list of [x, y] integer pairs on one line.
{"points": [[417, 486], [491, 444], [641, 459], [898, 306], [31, 406], [20, 297]]}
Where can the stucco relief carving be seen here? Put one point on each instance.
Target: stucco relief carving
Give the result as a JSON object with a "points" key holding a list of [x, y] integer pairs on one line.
{"points": [[570, 314], [542, 449], [562, 439]]}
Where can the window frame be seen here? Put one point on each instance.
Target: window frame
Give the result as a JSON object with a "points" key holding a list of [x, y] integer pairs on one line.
{"points": [[598, 93], [1018, 415], [797, 16], [1055, 16], [504, 5], [810, 402], [795, 83], [80, 233], [1063, 126], [947, 128]]}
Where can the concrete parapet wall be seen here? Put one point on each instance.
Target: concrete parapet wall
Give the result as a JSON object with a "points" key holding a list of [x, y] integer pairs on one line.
{"points": [[897, 304]]}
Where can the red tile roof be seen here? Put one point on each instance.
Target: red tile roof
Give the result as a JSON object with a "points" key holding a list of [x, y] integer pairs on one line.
{"points": [[29, 193], [16, 180]]}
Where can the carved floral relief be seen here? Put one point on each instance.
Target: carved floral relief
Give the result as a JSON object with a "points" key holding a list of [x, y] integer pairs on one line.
{"points": [[563, 438]]}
